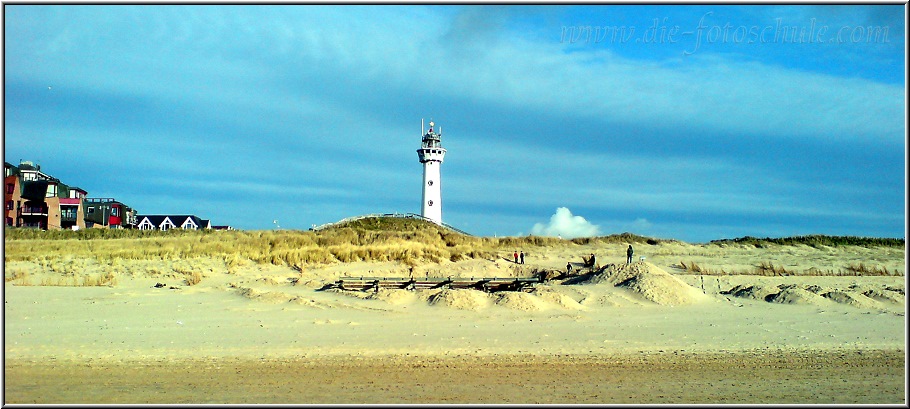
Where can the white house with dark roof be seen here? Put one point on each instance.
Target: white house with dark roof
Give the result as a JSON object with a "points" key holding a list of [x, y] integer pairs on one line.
{"points": [[167, 222]]}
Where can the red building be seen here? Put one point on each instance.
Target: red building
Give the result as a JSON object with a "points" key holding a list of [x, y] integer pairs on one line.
{"points": [[35, 199], [109, 213]]}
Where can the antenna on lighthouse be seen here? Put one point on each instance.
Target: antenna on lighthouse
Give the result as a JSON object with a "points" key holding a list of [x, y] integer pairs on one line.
{"points": [[422, 129]]}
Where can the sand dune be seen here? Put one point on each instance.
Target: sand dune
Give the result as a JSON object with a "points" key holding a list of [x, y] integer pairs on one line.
{"points": [[257, 311], [650, 282]]}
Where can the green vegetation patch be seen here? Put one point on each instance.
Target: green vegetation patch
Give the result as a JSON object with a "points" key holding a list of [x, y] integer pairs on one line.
{"points": [[817, 241]]}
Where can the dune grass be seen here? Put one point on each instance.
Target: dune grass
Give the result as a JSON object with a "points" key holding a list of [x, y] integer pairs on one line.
{"points": [[378, 239], [17, 276], [768, 269], [862, 270], [407, 241], [193, 278], [372, 239], [817, 241], [107, 279]]}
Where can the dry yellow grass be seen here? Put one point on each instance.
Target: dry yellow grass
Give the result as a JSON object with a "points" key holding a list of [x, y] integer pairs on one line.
{"points": [[78, 280], [767, 268], [285, 247], [193, 278], [410, 242], [17, 276]]}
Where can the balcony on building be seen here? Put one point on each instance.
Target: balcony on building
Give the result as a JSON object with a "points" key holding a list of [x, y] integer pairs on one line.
{"points": [[33, 211]]}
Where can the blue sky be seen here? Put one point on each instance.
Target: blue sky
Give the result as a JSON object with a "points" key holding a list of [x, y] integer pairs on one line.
{"points": [[675, 121]]}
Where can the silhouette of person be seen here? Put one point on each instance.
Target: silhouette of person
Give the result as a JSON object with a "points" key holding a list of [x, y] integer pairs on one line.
{"points": [[522, 257], [629, 254], [515, 257]]}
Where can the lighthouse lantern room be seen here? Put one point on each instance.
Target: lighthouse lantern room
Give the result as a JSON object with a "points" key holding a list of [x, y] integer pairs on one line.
{"points": [[431, 154]]}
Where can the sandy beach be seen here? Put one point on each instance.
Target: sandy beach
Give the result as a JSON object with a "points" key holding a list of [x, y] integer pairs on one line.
{"points": [[659, 203], [648, 332]]}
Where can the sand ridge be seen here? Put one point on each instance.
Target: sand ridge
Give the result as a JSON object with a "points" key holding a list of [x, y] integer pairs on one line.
{"points": [[640, 280], [650, 282], [880, 298]]}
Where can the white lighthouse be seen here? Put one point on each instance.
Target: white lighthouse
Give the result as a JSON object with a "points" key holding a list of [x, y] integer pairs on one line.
{"points": [[431, 154]]}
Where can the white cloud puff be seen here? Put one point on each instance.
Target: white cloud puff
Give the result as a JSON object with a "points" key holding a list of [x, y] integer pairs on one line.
{"points": [[565, 225]]}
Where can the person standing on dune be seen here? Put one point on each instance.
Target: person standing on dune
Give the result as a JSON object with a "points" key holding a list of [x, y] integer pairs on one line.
{"points": [[515, 257], [522, 257], [629, 254]]}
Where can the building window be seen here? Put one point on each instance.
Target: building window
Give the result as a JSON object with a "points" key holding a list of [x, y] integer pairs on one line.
{"points": [[430, 202], [430, 183], [91, 210], [115, 211], [9, 188], [9, 221], [166, 224], [68, 212], [9, 205]]}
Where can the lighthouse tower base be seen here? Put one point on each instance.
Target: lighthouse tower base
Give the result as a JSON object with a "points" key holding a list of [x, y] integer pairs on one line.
{"points": [[432, 194]]}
